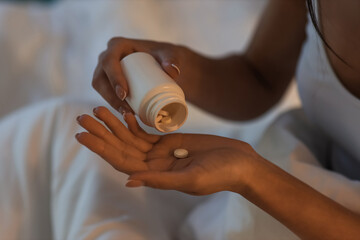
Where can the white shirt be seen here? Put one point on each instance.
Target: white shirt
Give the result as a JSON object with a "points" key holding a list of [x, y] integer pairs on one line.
{"points": [[329, 105]]}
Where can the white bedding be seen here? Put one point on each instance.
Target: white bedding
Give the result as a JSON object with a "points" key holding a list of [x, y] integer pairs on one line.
{"points": [[53, 188], [51, 50], [292, 144]]}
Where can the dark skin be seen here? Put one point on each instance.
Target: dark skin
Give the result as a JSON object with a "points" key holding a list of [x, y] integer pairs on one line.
{"points": [[251, 83], [343, 20], [215, 164], [264, 70], [132, 150]]}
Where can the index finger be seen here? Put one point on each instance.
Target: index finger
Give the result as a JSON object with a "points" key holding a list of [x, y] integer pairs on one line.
{"points": [[112, 68], [118, 48]]}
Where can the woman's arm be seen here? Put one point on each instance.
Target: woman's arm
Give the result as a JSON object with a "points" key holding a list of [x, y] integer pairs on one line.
{"points": [[244, 86], [238, 87], [216, 164], [306, 212]]}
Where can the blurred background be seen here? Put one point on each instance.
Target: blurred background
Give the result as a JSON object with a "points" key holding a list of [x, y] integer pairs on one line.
{"points": [[50, 48]]}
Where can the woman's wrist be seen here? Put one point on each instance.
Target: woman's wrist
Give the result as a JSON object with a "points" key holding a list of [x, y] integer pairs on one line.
{"points": [[247, 171], [296, 205]]}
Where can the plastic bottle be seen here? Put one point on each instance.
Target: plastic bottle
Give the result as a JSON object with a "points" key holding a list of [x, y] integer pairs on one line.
{"points": [[151, 90]]}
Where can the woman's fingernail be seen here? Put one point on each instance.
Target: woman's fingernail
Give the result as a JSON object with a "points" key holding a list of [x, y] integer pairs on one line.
{"points": [[120, 92], [134, 183], [124, 111], [77, 135], [121, 110], [176, 67], [95, 110], [78, 118]]}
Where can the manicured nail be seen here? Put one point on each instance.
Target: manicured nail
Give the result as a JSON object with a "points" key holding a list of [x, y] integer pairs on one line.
{"points": [[78, 118], [176, 67], [95, 110], [77, 135], [134, 183], [120, 92], [122, 111], [124, 115]]}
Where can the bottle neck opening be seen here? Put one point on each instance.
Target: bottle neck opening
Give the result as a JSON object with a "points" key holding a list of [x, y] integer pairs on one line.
{"points": [[176, 109], [177, 115]]}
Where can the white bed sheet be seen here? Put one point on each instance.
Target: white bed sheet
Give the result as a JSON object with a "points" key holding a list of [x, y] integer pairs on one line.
{"points": [[51, 50], [51, 187]]}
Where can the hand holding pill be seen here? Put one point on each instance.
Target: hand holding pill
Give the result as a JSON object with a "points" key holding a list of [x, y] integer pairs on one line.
{"points": [[192, 163]]}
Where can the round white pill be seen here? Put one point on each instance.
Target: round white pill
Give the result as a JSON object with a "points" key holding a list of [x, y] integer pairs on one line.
{"points": [[166, 120], [181, 153], [164, 113]]}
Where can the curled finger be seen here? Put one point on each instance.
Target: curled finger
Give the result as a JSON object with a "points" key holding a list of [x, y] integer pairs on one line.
{"points": [[135, 128], [102, 85]]}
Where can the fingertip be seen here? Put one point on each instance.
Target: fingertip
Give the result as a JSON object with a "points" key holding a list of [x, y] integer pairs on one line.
{"points": [[84, 119], [125, 108], [176, 68], [134, 183], [97, 109], [80, 118], [100, 111], [121, 84], [128, 116], [124, 116], [80, 136], [172, 69], [138, 176], [120, 92], [149, 178]]}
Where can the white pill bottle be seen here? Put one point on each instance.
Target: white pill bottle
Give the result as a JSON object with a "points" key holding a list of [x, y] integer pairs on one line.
{"points": [[152, 90]]}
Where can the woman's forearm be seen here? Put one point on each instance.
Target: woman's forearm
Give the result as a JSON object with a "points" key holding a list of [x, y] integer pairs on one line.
{"points": [[231, 88], [306, 212], [244, 86]]}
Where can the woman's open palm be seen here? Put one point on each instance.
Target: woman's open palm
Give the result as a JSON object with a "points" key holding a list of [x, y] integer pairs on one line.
{"points": [[213, 164]]}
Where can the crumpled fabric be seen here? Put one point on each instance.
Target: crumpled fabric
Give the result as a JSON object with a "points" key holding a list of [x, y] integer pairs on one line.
{"points": [[51, 187], [296, 146]]}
